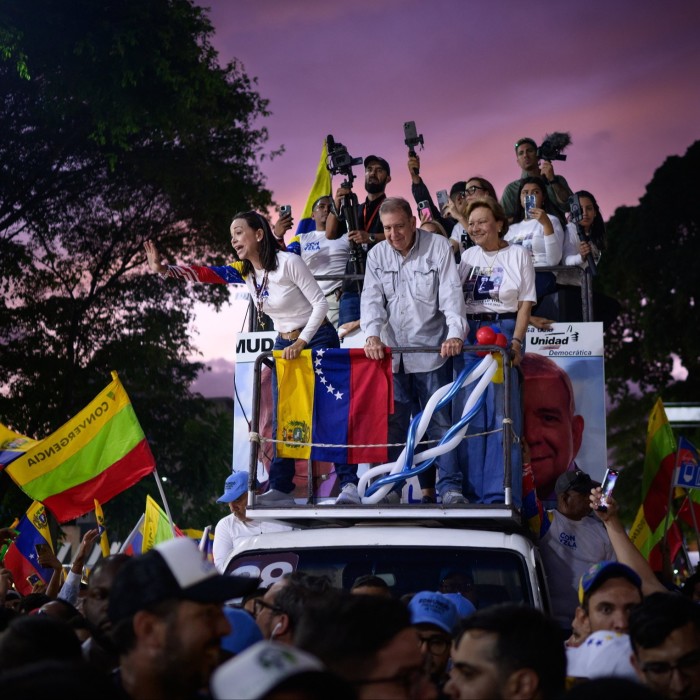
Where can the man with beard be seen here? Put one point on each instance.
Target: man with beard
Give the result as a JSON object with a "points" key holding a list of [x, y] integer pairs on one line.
{"points": [[377, 176], [166, 611]]}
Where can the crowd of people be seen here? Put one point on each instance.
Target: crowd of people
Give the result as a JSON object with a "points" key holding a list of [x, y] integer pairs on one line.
{"points": [[166, 625]]}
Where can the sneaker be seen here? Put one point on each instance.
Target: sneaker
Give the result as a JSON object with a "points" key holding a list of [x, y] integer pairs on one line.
{"points": [[348, 496], [392, 498], [450, 498], [428, 499], [273, 497]]}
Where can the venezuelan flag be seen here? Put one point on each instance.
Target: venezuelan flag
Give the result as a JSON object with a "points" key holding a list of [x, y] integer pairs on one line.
{"points": [[21, 557], [335, 397], [13, 445], [320, 188], [97, 454]]}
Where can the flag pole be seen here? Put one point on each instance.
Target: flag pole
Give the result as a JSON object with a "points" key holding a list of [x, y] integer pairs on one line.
{"points": [[165, 501]]}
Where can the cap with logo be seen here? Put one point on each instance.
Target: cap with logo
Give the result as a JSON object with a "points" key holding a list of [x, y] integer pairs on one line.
{"points": [[234, 487], [603, 571], [428, 607]]}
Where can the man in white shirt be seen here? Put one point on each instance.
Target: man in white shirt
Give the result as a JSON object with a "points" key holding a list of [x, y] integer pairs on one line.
{"points": [[234, 528]]}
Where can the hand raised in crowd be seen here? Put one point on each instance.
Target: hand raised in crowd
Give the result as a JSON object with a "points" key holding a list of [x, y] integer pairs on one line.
{"points": [[451, 347], [339, 194], [49, 560], [374, 348], [604, 515], [153, 257], [413, 168], [283, 224], [7, 535], [83, 550], [547, 171], [450, 209], [540, 215]]}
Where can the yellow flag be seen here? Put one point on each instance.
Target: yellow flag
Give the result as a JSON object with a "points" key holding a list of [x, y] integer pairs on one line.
{"points": [[295, 404], [156, 526], [100, 517]]}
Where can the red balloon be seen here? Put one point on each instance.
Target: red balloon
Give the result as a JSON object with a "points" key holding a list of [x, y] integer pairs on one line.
{"points": [[486, 336], [501, 341]]}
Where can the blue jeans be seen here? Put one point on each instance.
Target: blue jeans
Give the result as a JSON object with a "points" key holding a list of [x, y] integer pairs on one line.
{"points": [[417, 388], [481, 457], [282, 468]]}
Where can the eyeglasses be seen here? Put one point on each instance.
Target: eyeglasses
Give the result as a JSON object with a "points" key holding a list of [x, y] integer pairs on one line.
{"points": [[437, 644], [662, 671], [474, 189], [259, 604]]}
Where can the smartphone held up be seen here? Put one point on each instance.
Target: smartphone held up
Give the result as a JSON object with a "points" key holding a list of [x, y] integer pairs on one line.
{"points": [[607, 488]]}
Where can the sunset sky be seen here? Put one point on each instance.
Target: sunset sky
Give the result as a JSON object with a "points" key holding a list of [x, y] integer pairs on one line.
{"points": [[622, 76]]}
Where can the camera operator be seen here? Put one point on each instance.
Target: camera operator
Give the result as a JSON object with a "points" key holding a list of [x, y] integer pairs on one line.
{"points": [[528, 158], [377, 176]]}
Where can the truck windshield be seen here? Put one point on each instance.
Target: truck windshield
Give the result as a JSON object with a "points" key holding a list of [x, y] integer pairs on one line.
{"points": [[485, 577]]}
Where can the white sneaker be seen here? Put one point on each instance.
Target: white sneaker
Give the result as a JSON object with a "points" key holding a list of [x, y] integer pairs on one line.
{"points": [[450, 498], [392, 498], [273, 497], [348, 496]]}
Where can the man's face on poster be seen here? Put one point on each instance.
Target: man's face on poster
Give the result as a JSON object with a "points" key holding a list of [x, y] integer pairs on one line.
{"points": [[552, 431]]}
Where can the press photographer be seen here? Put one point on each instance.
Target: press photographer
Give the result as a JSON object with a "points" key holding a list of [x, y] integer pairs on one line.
{"points": [[536, 161], [364, 229]]}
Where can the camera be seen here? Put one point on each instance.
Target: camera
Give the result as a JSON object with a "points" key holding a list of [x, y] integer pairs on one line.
{"points": [[575, 212], [285, 209], [412, 139], [553, 145], [339, 161]]}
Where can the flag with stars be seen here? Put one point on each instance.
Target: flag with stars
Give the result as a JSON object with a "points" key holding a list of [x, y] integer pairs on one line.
{"points": [[21, 557], [338, 399]]}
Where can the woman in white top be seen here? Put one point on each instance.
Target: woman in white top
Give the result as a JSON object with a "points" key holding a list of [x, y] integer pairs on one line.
{"points": [[283, 288], [542, 234]]}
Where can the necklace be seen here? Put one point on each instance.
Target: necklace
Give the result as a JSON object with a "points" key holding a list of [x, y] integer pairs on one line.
{"points": [[487, 269], [259, 294]]}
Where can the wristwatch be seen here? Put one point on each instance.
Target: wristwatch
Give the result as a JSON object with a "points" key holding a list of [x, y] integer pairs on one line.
{"points": [[372, 238]]}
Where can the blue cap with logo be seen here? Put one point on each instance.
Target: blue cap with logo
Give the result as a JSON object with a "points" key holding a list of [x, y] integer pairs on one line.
{"points": [[428, 607], [599, 573], [236, 485]]}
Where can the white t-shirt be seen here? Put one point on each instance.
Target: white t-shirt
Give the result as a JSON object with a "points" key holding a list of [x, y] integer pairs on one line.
{"points": [[495, 282], [545, 250], [324, 256], [568, 549], [230, 532]]}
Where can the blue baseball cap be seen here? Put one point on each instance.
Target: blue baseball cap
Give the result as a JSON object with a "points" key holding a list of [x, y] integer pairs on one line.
{"points": [[601, 572], [431, 608], [464, 607], [236, 485], [244, 631]]}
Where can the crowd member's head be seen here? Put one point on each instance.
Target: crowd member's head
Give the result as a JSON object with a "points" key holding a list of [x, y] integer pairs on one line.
{"points": [[608, 592], [691, 587], [279, 610], [551, 427], [536, 186], [236, 494], [435, 617], [252, 240], [166, 611], [13, 599], [33, 601], [434, 227], [592, 220], [478, 188], [526, 155], [67, 612], [459, 582], [665, 635], [320, 210], [399, 224], [29, 639], [244, 632], [377, 174], [370, 642], [573, 491], [457, 193], [507, 651], [369, 584], [487, 221], [274, 671]]}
